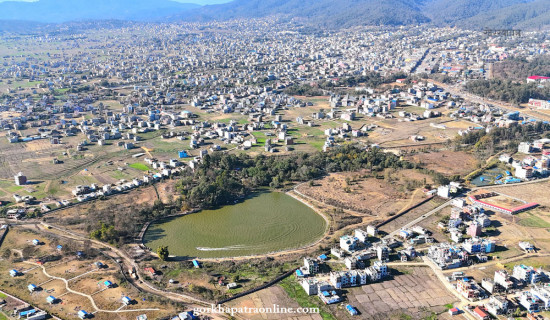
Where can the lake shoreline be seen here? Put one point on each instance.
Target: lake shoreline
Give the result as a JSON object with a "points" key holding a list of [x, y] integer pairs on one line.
{"points": [[280, 225]]}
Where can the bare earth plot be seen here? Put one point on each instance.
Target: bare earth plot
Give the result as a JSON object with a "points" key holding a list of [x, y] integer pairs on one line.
{"points": [[266, 298], [392, 132], [74, 217], [365, 195], [446, 162], [504, 201], [411, 215], [535, 192]]}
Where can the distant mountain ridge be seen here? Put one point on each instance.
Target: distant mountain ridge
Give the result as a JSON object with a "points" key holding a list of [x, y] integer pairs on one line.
{"points": [[330, 14], [340, 13], [468, 14], [56, 11]]}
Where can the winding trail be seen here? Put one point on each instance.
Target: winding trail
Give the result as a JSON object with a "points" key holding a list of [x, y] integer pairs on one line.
{"points": [[127, 263], [97, 309]]}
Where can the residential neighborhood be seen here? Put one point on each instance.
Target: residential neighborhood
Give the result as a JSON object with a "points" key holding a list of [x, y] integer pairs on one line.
{"points": [[213, 168]]}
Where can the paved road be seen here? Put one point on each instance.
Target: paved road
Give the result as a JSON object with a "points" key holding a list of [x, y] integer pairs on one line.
{"points": [[428, 214], [503, 105], [419, 219]]}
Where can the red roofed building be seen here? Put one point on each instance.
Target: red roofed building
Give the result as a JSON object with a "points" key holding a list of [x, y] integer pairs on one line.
{"points": [[537, 79], [151, 270], [480, 313], [454, 311], [477, 200]]}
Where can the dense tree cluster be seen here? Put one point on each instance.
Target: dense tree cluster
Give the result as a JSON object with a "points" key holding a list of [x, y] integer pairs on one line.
{"points": [[370, 79], [304, 90], [163, 252], [502, 139], [506, 90], [521, 68], [222, 178], [119, 223], [106, 233]]}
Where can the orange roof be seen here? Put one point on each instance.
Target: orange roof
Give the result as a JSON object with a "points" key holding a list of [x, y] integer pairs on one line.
{"points": [[480, 312]]}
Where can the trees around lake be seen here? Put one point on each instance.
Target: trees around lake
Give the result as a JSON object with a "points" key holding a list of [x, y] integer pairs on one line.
{"points": [[222, 178], [163, 252]]}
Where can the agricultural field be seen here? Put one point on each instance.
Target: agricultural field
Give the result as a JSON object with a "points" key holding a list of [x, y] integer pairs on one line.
{"points": [[55, 181], [413, 292], [392, 132]]}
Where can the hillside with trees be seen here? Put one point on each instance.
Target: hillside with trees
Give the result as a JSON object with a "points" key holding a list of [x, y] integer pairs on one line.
{"points": [[519, 68], [467, 14]]}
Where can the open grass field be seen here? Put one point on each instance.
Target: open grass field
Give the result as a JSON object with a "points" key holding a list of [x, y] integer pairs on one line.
{"points": [[247, 273], [140, 166], [535, 218], [537, 262]]}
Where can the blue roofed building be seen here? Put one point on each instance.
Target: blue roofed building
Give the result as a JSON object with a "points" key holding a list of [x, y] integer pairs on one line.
{"points": [[82, 314]]}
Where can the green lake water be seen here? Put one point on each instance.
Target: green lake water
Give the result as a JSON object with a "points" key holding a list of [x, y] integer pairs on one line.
{"points": [[266, 222]]}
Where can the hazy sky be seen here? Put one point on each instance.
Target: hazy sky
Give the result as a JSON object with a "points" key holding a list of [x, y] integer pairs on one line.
{"points": [[184, 1]]}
